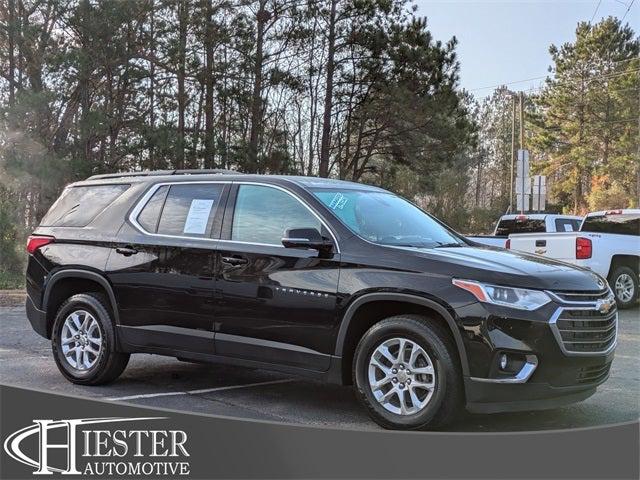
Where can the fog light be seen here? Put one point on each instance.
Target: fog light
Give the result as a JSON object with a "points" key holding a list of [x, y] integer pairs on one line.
{"points": [[503, 361]]}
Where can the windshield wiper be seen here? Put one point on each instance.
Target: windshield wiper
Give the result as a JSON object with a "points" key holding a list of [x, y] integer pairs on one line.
{"points": [[446, 245]]}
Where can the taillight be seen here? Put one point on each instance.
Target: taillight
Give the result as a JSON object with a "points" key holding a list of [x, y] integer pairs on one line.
{"points": [[583, 248], [36, 241], [507, 244]]}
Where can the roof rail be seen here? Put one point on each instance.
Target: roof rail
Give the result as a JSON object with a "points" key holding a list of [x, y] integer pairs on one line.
{"points": [[159, 173]]}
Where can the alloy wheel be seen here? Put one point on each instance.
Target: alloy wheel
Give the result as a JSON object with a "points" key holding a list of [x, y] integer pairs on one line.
{"points": [[81, 340], [624, 287], [401, 376]]}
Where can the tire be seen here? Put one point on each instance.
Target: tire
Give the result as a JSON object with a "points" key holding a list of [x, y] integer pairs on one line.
{"points": [[93, 369], [620, 278], [446, 397]]}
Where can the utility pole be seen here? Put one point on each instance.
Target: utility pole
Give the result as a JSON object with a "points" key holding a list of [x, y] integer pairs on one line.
{"points": [[513, 150], [524, 173], [522, 120]]}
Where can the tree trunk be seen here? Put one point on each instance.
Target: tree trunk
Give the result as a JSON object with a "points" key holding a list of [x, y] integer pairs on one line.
{"points": [[182, 97], [12, 61], [328, 97], [256, 97], [209, 138], [152, 88]]}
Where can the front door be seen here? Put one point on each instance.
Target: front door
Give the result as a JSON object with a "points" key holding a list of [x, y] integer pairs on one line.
{"points": [[163, 268], [278, 304]]}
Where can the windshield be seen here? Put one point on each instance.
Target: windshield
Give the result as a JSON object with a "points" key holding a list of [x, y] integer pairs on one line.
{"points": [[385, 218]]}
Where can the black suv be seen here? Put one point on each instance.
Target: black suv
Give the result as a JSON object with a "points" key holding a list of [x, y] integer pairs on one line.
{"points": [[322, 278]]}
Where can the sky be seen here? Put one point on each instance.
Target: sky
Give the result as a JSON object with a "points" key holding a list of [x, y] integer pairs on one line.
{"points": [[501, 41]]}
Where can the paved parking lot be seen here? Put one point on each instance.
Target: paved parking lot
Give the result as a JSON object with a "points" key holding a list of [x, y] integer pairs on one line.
{"points": [[155, 381]]}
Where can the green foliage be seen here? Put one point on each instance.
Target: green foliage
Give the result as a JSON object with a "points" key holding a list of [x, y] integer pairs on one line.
{"points": [[11, 262], [587, 125]]}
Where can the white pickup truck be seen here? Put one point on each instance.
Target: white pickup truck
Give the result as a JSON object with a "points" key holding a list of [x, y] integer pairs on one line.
{"points": [[531, 223], [607, 243]]}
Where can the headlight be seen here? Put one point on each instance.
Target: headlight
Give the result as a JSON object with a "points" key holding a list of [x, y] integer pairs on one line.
{"points": [[520, 298]]}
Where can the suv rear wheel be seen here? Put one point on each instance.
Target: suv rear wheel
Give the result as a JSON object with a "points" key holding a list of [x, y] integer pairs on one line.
{"points": [[83, 341], [406, 373], [624, 283]]}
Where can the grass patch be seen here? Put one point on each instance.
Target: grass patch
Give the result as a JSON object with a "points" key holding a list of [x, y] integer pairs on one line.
{"points": [[11, 280]]}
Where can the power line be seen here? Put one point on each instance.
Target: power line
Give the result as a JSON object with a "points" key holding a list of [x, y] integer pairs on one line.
{"points": [[595, 12], [544, 76], [625, 13]]}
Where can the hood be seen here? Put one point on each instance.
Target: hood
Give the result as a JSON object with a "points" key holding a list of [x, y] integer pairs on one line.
{"points": [[511, 268]]}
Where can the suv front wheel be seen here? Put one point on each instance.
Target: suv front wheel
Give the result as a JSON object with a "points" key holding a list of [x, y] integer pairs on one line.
{"points": [[406, 373], [83, 341]]}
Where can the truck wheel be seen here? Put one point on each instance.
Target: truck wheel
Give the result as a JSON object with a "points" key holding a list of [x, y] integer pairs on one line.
{"points": [[624, 283], [407, 375], [83, 341]]}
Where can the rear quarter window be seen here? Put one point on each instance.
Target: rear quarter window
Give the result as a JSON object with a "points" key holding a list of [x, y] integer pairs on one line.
{"points": [[78, 206], [525, 225], [627, 224]]}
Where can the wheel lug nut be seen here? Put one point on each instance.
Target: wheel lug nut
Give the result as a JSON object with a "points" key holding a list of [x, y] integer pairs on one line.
{"points": [[408, 372], [395, 380], [401, 367], [394, 371], [409, 381], [402, 385]]}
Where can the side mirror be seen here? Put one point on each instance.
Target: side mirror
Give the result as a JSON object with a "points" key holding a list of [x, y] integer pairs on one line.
{"points": [[306, 238]]}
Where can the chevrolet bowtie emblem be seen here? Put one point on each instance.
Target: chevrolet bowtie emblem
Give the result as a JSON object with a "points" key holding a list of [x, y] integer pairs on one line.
{"points": [[604, 306]]}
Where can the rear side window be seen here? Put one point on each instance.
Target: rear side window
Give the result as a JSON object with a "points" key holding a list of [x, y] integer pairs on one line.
{"points": [[150, 214], [188, 210], [627, 224], [520, 225], [567, 225], [77, 206]]}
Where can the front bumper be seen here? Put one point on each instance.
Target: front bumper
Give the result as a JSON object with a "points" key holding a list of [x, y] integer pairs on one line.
{"points": [[548, 371]]}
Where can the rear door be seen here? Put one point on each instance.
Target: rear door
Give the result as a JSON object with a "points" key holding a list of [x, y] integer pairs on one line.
{"points": [[278, 304], [163, 268]]}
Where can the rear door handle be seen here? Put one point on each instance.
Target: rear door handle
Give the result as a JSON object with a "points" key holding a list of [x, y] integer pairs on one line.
{"points": [[541, 243], [126, 251], [235, 261]]}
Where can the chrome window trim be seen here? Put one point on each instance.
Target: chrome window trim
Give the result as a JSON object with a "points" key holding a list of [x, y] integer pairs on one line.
{"points": [[133, 216]]}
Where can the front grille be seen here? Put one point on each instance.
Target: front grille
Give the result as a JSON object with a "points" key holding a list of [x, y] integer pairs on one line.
{"points": [[585, 330], [579, 297], [593, 374]]}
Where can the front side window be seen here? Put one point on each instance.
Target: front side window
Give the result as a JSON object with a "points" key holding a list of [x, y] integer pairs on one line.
{"points": [[262, 215], [384, 218], [189, 210]]}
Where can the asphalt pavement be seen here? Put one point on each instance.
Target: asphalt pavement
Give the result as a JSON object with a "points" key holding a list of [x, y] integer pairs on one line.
{"points": [[155, 381]]}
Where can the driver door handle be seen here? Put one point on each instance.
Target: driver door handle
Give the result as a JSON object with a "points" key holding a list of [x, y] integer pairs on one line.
{"points": [[235, 261], [126, 251]]}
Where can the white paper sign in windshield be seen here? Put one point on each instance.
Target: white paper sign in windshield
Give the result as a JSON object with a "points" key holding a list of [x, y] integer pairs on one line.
{"points": [[198, 216]]}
